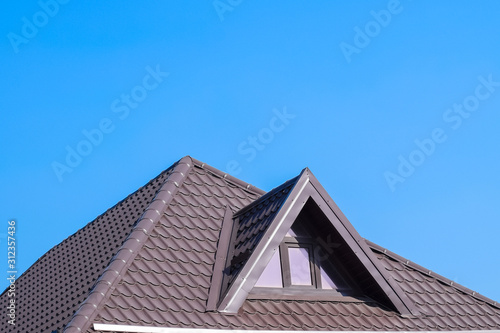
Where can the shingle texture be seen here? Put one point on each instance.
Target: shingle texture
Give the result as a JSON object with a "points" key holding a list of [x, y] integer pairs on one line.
{"points": [[251, 224], [180, 302], [167, 282], [444, 304]]}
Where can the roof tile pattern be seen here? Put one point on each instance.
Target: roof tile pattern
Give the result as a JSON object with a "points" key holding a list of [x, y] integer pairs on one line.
{"points": [[52, 289], [446, 306], [253, 221], [175, 265], [460, 311], [168, 283]]}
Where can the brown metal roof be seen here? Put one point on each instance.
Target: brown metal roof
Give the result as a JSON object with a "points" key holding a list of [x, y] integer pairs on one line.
{"points": [[250, 224], [149, 261]]}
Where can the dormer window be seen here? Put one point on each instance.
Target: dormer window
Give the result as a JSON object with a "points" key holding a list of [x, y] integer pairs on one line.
{"points": [[302, 263], [295, 244]]}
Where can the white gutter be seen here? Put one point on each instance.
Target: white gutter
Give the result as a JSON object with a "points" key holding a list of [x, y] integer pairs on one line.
{"points": [[146, 329]]}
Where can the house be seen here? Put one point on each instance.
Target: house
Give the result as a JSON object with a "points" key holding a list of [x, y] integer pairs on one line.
{"points": [[197, 250]]}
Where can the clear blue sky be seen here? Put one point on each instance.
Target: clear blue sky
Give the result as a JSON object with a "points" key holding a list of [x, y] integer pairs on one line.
{"points": [[394, 106]]}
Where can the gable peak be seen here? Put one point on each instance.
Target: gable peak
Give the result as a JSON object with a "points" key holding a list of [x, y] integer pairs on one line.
{"points": [[307, 203]]}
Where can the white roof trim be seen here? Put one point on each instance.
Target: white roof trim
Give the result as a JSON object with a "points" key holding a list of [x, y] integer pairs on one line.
{"points": [[146, 329]]}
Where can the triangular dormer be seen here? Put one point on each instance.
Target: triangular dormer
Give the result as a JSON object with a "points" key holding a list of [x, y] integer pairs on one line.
{"points": [[295, 243]]}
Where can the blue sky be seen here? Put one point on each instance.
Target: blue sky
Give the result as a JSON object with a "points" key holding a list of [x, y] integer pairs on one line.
{"points": [[394, 106]]}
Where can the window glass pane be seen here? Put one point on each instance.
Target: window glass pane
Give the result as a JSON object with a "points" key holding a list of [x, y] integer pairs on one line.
{"points": [[332, 279], [271, 276], [300, 268], [326, 281]]}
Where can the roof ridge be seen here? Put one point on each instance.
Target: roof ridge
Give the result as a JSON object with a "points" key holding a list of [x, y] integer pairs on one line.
{"points": [[227, 177], [284, 185], [82, 318], [430, 273]]}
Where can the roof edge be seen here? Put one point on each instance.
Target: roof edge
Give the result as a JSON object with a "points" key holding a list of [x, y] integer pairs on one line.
{"points": [[245, 209], [150, 329], [82, 319], [228, 177], [430, 273]]}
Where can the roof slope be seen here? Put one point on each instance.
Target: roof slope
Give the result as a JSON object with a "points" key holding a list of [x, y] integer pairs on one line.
{"points": [[168, 283], [161, 270], [251, 224], [53, 288], [173, 270], [446, 303]]}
